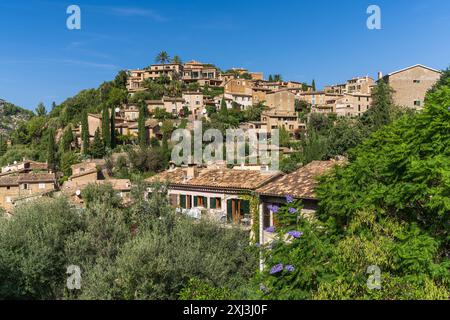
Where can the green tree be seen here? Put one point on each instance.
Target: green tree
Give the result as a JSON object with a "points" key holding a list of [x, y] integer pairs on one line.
{"points": [[270, 78], [162, 58], [106, 126], [51, 150], [113, 130], [67, 139], [176, 60], [313, 85], [3, 145], [85, 133], [380, 111], [98, 148], [142, 131], [40, 110], [67, 160], [223, 108]]}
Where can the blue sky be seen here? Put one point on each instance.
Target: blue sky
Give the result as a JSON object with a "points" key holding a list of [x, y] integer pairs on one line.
{"points": [[325, 40]]}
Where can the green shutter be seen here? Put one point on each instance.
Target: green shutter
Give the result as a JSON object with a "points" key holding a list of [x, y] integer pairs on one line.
{"points": [[229, 211], [183, 201], [205, 202], [212, 203], [245, 207], [195, 201]]}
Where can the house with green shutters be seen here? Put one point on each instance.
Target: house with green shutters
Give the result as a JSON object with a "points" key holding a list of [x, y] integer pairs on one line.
{"points": [[215, 192]]}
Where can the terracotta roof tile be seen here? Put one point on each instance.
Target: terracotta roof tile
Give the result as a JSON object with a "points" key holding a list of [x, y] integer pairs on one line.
{"points": [[217, 178], [299, 184]]}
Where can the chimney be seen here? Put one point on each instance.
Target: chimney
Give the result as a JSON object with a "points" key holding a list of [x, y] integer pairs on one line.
{"points": [[191, 171], [380, 75]]}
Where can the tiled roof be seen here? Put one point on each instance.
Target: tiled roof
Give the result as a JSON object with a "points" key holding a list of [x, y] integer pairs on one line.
{"points": [[217, 178], [16, 179], [299, 184]]}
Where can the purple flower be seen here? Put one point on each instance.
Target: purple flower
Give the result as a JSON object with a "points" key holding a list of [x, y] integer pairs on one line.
{"points": [[276, 269], [292, 210], [289, 268], [295, 234], [289, 199], [258, 245], [275, 209], [270, 229]]}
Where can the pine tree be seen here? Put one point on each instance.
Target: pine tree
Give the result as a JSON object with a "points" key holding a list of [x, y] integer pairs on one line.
{"points": [[85, 133], [106, 130], [98, 148], [142, 134], [51, 151], [113, 130], [313, 85]]}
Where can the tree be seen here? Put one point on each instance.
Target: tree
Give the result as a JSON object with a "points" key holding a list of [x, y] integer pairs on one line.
{"points": [[40, 110], [121, 80], [67, 160], [162, 57], [380, 111], [3, 145], [67, 139], [85, 133], [176, 60], [51, 150], [113, 130], [106, 128], [142, 131], [98, 147], [277, 78], [313, 85], [270, 78], [223, 108]]}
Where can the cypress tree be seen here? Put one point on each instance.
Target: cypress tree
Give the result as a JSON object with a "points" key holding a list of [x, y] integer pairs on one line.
{"points": [[98, 148], [270, 78], [3, 145], [142, 134], [51, 151], [223, 108], [85, 133], [313, 85], [67, 139], [113, 129], [106, 130]]}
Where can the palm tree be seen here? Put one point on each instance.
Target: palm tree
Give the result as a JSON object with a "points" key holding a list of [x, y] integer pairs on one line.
{"points": [[162, 57], [176, 60]]}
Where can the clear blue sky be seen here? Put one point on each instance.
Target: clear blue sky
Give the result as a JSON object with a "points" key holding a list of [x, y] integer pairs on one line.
{"points": [[325, 40]]}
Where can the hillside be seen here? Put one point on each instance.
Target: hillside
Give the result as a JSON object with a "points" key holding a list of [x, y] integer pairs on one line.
{"points": [[11, 116]]}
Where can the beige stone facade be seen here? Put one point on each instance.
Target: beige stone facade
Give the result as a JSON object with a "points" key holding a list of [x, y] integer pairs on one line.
{"points": [[353, 105], [18, 186], [410, 85]]}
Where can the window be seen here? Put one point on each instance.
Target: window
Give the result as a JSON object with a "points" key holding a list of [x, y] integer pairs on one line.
{"points": [[185, 201], [237, 210], [417, 103], [416, 81], [215, 203], [25, 186], [200, 202], [41, 185]]}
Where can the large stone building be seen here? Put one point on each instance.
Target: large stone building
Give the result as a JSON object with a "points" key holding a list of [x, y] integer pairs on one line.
{"points": [[411, 84], [21, 187]]}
